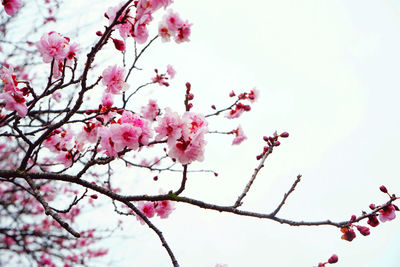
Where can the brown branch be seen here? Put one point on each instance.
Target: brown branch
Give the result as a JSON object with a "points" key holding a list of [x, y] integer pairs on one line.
{"points": [[286, 195], [239, 202]]}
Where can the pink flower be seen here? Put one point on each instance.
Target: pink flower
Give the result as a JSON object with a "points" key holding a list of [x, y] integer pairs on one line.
{"points": [[147, 208], [11, 6], [107, 143], [9, 79], [173, 25], [187, 150], [164, 208], [107, 100], [173, 21], [183, 33], [163, 32], [53, 46], [156, 4], [125, 135], [387, 213], [151, 111], [171, 71], [113, 78], [253, 95], [15, 102], [240, 137], [170, 126], [56, 96]]}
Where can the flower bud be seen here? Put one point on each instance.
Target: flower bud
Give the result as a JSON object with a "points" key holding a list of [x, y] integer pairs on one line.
{"points": [[372, 206], [277, 143], [284, 134], [333, 259], [383, 189], [94, 196], [119, 44], [213, 107], [99, 33], [363, 230]]}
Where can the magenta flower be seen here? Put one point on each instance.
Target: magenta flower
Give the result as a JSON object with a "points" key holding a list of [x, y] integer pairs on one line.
{"points": [[113, 78], [147, 208], [11, 6], [387, 213], [240, 137], [164, 208]]}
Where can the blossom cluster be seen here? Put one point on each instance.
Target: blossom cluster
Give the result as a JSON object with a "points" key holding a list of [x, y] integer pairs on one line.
{"points": [[13, 96], [133, 22], [385, 213], [162, 208], [56, 49]]}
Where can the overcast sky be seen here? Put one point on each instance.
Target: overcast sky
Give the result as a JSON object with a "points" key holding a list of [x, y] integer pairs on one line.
{"points": [[328, 74]]}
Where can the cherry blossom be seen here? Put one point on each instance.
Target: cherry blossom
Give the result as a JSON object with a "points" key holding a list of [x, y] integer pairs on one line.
{"points": [[11, 6], [113, 78], [239, 136], [387, 213], [151, 110], [164, 208], [53, 46], [15, 102]]}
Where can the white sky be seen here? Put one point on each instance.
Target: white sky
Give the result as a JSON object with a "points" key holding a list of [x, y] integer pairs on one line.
{"points": [[328, 74]]}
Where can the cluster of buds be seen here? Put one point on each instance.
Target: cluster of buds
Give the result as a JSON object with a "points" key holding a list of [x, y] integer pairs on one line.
{"points": [[272, 141], [188, 97], [384, 213], [333, 259]]}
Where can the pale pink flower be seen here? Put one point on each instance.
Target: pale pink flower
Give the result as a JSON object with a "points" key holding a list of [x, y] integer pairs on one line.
{"points": [[173, 21], [164, 208], [156, 4], [53, 46], [107, 100], [8, 241], [387, 214], [140, 33], [89, 133], [66, 158], [56, 96], [170, 126], [73, 50], [107, 143], [147, 208], [112, 11], [11, 6], [195, 122], [253, 95], [15, 102], [125, 135], [187, 150], [171, 71], [163, 32], [136, 121], [150, 111], [113, 78], [9, 79], [239, 136], [183, 33]]}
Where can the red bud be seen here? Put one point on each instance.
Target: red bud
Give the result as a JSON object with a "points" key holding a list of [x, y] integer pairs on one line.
{"points": [[333, 259], [383, 189], [284, 134]]}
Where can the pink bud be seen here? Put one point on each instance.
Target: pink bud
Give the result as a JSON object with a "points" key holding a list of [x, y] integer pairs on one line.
{"points": [[94, 196], [353, 218], [277, 143], [213, 107], [190, 97], [119, 44], [383, 189], [372, 206], [265, 138], [188, 85], [284, 134], [333, 259], [363, 230], [99, 33], [215, 174], [232, 94], [155, 178]]}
